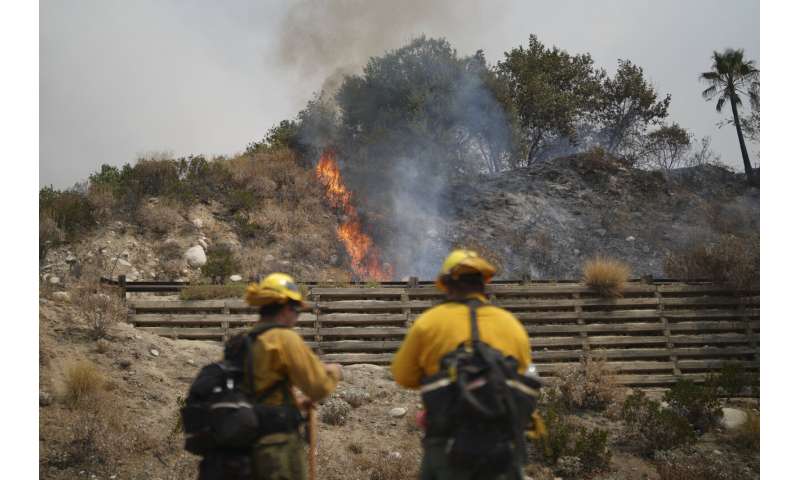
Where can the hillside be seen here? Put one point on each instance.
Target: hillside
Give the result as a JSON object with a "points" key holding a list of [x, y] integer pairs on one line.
{"points": [[543, 221]]}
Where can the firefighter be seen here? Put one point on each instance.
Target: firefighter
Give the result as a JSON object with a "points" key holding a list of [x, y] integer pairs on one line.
{"points": [[282, 361], [441, 330]]}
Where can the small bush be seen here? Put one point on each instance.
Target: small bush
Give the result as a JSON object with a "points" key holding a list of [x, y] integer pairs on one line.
{"points": [[686, 465], [566, 439], [697, 403], [159, 217], [70, 210], [732, 261], [649, 427], [220, 262], [168, 250], [210, 292], [606, 276], [355, 397], [49, 235], [748, 436], [99, 306], [82, 383], [734, 380], [592, 386], [335, 411]]}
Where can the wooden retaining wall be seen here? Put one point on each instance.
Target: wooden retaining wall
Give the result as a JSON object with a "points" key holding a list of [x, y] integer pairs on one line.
{"points": [[653, 335]]}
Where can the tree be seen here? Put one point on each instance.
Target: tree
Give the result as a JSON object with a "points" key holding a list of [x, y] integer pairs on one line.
{"points": [[730, 77], [552, 92], [627, 105], [667, 147]]}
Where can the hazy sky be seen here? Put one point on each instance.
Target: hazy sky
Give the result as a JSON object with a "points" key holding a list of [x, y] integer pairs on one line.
{"points": [[121, 78]]}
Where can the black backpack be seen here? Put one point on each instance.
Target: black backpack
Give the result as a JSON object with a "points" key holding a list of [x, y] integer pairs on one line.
{"points": [[480, 404], [221, 413]]}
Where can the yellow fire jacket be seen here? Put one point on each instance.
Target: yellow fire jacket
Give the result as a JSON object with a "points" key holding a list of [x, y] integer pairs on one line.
{"points": [[441, 329], [281, 353]]}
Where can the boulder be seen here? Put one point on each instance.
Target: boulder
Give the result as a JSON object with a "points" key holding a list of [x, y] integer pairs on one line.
{"points": [[54, 280], [195, 256], [202, 243], [236, 278], [733, 418], [154, 352], [197, 222]]}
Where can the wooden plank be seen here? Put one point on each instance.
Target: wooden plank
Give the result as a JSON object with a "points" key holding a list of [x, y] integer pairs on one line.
{"points": [[353, 358], [641, 353], [138, 305], [210, 319], [581, 322], [721, 325], [205, 332], [360, 346], [362, 332], [713, 364], [358, 292], [732, 313], [317, 325], [712, 339], [650, 380], [667, 333]]}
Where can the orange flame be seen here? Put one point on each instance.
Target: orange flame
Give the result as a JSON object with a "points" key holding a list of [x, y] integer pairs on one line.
{"points": [[365, 257]]}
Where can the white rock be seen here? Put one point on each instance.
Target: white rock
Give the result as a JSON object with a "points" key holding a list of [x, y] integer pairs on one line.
{"points": [[54, 280], [285, 263], [71, 258], [122, 263], [397, 412], [269, 258], [630, 239], [236, 278], [154, 352], [125, 254], [61, 296], [197, 222], [733, 418], [190, 361], [195, 256]]}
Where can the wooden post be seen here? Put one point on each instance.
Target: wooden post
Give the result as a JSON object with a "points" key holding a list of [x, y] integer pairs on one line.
{"points": [[226, 311], [584, 337], [317, 325], [751, 341], [406, 308], [123, 286], [412, 282], [667, 334]]}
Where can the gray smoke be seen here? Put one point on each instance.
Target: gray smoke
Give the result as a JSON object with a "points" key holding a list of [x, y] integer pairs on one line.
{"points": [[333, 38]]}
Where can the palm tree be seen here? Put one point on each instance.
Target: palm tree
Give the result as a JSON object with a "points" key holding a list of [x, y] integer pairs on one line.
{"points": [[732, 75]]}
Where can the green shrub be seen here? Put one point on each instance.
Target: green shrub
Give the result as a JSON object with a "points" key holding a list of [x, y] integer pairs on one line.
{"points": [[49, 235], [698, 403], [734, 380], [249, 230], [567, 441], [649, 427], [210, 292], [220, 262]]}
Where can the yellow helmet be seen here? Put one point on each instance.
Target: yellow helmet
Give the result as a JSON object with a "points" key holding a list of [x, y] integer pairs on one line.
{"points": [[275, 288], [463, 261]]}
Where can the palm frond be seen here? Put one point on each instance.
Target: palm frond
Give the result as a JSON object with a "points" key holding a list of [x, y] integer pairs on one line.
{"points": [[709, 92], [721, 103]]}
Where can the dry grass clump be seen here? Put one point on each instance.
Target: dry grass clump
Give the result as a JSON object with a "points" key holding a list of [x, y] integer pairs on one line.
{"points": [[83, 383], [159, 217], [99, 306], [650, 427], [733, 261], [606, 276], [571, 449], [169, 249], [101, 198], [590, 386]]}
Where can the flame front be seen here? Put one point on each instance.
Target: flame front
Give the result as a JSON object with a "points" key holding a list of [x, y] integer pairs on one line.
{"points": [[365, 257]]}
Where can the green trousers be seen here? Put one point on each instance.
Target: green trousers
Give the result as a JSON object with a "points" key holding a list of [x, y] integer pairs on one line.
{"points": [[436, 467], [280, 456]]}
